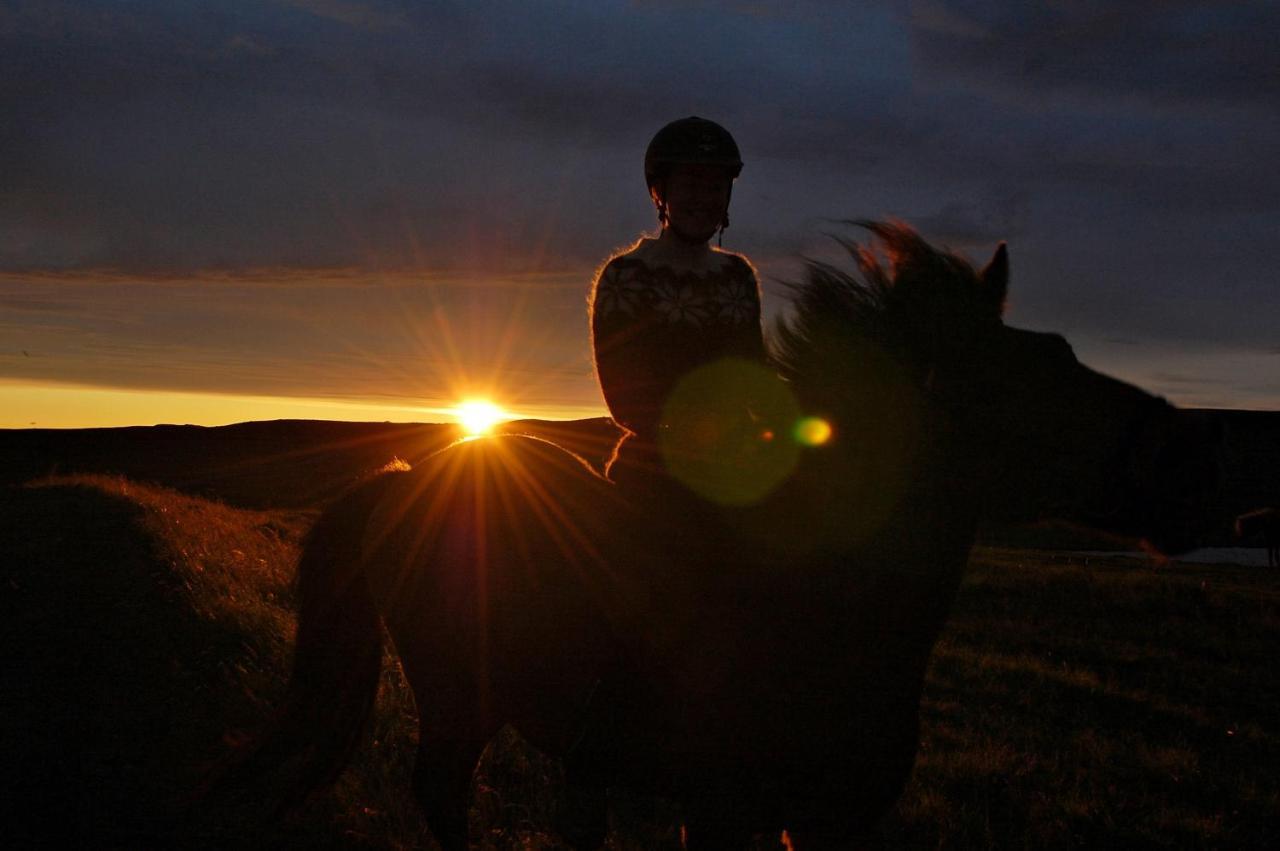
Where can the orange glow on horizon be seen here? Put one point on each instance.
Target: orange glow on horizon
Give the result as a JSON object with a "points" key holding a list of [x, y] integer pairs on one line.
{"points": [[72, 406], [353, 345]]}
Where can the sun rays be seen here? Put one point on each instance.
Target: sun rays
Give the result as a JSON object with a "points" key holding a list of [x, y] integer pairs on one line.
{"points": [[469, 336]]}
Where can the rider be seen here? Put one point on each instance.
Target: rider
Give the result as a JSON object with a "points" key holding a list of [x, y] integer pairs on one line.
{"points": [[671, 304]]}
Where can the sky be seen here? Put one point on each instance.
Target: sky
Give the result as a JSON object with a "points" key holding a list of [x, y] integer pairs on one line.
{"points": [[223, 211]]}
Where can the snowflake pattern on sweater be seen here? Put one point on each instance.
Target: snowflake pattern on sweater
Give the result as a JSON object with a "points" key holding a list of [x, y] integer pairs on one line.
{"points": [[630, 287], [653, 325]]}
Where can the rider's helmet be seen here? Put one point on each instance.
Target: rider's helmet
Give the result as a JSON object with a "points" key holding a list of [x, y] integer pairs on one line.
{"points": [[690, 141]]}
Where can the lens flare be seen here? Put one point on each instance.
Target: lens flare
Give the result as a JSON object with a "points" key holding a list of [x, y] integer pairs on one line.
{"points": [[718, 435], [478, 416], [812, 431]]}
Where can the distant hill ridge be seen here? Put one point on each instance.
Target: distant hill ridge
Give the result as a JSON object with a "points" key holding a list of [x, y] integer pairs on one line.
{"points": [[270, 464], [305, 463]]}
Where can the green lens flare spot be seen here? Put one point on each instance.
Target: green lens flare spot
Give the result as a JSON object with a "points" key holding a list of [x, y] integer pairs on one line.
{"points": [[812, 431]]}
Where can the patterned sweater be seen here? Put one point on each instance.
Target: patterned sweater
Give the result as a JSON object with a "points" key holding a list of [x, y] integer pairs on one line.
{"points": [[650, 326]]}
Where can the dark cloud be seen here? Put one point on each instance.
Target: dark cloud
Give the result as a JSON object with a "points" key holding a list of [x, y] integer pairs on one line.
{"points": [[367, 16], [297, 135], [20, 303], [1190, 380], [1163, 51], [962, 224], [322, 132]]}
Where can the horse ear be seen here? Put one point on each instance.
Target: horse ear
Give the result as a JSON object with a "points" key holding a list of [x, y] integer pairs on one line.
{"points": [[995, 278]]}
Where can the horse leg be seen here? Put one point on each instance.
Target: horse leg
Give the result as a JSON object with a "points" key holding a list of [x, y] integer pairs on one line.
{"points": [[868, 840], [716, 825], [582, 819], [591, 762], [708, 836], [442, 784]]}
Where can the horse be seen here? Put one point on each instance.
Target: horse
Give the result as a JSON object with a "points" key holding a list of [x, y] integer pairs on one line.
{"points": [[1264, 523], [761, 662]]}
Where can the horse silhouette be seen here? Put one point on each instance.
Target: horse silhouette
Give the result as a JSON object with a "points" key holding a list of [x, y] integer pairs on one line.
{"points": [[762, 665], [1265, 524]]}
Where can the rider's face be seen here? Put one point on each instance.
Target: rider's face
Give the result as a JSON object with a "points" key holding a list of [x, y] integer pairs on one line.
{"points": [[697, 197]]}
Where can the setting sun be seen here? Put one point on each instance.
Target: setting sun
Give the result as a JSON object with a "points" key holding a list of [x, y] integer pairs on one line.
{"points": [[478, 416]]}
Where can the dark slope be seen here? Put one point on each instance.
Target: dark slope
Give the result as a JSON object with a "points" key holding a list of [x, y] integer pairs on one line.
{"points": [[277, 464], [141, 626]]}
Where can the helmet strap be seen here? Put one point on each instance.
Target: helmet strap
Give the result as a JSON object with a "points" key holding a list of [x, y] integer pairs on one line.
{"points": [[725, 224], [664, 217], [657, 190]]}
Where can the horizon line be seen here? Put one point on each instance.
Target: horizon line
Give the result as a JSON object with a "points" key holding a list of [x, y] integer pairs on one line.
{"points": [[66, 405]]}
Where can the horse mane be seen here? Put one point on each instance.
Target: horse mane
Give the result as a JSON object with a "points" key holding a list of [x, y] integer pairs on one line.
{"points": [[919, 309]]}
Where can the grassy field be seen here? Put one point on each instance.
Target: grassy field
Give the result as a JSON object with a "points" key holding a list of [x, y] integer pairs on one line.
{"points": [[149, 630], [1078, 702], [1072, 702]]}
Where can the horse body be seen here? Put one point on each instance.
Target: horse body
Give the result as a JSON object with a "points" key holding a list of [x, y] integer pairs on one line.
{"points": [[762, 665], [647, 651]]}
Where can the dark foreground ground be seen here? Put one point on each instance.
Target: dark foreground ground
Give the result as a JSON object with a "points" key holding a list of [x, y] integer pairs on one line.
{"points": [[1072, 702]]}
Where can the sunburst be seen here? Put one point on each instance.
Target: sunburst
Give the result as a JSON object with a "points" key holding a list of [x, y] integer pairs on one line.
{"points": [[478, 416]]}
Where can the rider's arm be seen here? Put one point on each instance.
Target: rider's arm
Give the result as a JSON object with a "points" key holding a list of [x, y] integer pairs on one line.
{"points": [[751, 340], [623, 342]]}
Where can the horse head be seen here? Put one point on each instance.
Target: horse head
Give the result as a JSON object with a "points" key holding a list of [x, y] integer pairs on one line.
{"points": [[1024, 431]]}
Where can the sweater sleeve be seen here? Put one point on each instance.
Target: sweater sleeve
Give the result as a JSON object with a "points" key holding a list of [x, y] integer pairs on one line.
{"points": [[752, 338], [629, 370]]}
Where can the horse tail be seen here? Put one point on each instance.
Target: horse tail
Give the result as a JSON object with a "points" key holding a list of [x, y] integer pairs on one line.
{"points": [[337, 666]]}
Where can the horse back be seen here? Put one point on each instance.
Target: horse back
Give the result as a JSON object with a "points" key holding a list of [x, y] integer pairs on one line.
{"points": [[495, 566]]}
